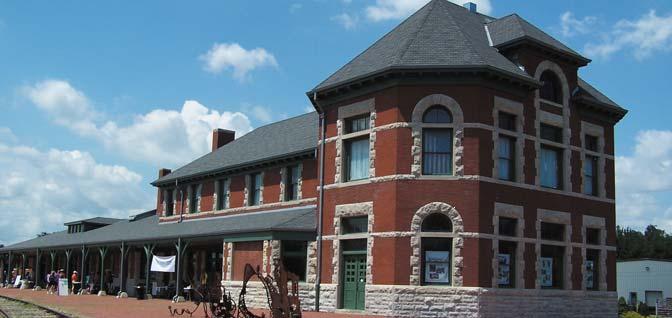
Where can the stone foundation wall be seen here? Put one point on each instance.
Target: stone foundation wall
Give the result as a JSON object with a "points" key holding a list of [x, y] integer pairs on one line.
{"points": [[430, 301], [256, 294]]}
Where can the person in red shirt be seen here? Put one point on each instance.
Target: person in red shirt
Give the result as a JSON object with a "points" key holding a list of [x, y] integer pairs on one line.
{"points": [[75, 282]]}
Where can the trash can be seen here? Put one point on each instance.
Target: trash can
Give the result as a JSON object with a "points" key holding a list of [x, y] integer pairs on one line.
{"points": [[140, 292]]}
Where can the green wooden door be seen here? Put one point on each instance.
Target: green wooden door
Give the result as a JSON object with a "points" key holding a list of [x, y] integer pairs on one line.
{"points": [[354, 281]]}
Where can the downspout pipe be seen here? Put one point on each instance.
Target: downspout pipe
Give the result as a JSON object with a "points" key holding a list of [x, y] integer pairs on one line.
{"points": [[181, 201], [320, 206]]}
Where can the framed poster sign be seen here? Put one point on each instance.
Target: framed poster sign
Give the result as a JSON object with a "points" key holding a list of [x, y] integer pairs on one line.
{"points": [[504, 266], [546, 272], [437, 267], [590, 274], [62, 287]]}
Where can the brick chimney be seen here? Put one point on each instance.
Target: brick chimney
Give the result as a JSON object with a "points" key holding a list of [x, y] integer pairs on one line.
{"points": [[221, 137], [164, 172]]}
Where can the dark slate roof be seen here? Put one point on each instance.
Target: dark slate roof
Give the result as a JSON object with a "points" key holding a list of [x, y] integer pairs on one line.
{"points": [[147, 228], [439, 35], [591, 93], [513, 28], [96, 220], [273, 141]]}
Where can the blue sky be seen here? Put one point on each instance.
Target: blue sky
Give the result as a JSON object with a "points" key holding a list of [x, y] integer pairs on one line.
{"points": [[95, 97]]}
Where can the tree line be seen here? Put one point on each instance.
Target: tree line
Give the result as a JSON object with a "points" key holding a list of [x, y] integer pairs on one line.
{"points": [[652, 243]]}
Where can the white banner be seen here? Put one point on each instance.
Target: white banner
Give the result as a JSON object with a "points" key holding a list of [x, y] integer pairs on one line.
{"points": [[164, 264]]}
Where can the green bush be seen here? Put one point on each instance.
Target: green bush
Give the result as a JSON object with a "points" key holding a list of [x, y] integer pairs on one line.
{"points": [[631, 314], [622, 306], [643, 309]]}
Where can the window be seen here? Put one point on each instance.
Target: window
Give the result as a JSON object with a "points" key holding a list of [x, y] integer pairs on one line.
{"points": [[551, 133], [506, 158], [295, 257], [355, 224], [551, 167], [507, 121], [436, 251], [357, 158], [591, 142], [592, 269], [195, 200], [633, 299], [437, 222], [437, 115], [221, 194], [552, 231], [292, 183], [254, 197], [506, 259], [437, 143], [552, 264], [592, 236], [590, 175], [168, 200], [356, 124], [550, 89], [508, 226], [436, 256]]}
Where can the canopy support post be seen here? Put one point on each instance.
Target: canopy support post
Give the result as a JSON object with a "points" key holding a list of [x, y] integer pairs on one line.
{"points": [[103, 252], [149, 248]]}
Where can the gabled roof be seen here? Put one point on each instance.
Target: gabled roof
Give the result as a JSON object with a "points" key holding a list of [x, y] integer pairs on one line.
{"points": [[277, 140], [512, 28], [147, 228], [439, 35], [96, 220]]}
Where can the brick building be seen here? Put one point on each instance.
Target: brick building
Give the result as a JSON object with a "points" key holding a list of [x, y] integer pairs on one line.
{"points": [[458, 166]]}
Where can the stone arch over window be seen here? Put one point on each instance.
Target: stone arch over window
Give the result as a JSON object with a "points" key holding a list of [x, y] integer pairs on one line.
{"points": [[456, 124], [427, 212], [545, 66], [554, 120]]}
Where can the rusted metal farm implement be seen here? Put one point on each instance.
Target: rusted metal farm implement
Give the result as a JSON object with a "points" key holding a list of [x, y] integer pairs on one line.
{"points": [[283, 302]]}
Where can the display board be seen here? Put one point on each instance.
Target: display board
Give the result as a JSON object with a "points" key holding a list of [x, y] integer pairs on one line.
{"points": [[62, 287], [504, 266], [437, 267], [546, 272]]}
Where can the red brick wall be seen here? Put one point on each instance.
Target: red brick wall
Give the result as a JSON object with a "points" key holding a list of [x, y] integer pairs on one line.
{"points": [[246, 253]]}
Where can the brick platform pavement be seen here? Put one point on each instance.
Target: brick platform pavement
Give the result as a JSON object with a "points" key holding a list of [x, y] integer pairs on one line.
{"points": [[91, 306]]}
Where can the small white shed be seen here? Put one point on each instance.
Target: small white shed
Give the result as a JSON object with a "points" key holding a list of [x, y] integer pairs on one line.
{"points": [[644, 280]]}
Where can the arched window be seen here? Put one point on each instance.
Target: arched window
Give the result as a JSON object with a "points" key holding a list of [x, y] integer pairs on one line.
{"points": [[437, 115], [437, 142], [437, 252], [437, 222], [551, 89]]}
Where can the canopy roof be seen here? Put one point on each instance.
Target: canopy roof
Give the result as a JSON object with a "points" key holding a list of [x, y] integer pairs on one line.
{"points": [[146, 228]]}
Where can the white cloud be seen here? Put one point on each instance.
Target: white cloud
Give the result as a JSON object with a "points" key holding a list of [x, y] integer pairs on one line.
{"points": [[644, 181], [44, 189], [66, 105], [347, 21], [160, 137], [224, 56], [294, 7], [649, 34], [571, 26], [168, 137], [7, 136], [398, 9], [261, 113]]}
